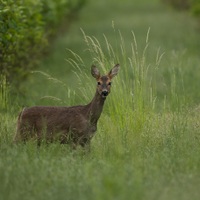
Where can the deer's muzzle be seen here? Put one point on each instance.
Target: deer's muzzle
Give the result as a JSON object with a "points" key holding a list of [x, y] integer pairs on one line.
{"points": [[104, 93]]}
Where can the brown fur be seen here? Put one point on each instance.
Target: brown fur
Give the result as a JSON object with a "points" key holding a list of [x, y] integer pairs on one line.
{"points": [[75, 125]]}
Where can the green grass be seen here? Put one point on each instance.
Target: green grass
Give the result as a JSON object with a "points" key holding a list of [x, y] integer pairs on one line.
{"points": [[147, 145]]}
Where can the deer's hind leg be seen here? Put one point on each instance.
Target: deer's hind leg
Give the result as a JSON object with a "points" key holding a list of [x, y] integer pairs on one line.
{"points": [[25, 132], [22, 134]]}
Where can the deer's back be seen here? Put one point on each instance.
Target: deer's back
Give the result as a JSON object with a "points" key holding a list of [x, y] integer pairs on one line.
{"points": [[53, 117]]}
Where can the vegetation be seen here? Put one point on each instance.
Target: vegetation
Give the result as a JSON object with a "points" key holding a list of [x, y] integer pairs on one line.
{"points": [[25, 29], [192, 5], [147, 142]]}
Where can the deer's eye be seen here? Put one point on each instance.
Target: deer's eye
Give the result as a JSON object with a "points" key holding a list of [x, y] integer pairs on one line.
{"points": [[98, 83], [109, 83]]}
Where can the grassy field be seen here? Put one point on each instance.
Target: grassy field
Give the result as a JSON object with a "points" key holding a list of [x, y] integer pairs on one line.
{"points": [[147, 145]]}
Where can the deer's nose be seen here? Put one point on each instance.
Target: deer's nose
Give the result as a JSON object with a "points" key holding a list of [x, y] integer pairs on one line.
{"points": [[105, 93]]}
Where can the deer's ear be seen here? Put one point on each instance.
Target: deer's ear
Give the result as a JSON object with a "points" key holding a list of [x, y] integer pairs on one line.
{"points": [[95, 72], [114, 71]]}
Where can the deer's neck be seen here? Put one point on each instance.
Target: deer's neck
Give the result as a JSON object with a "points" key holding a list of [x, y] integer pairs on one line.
{"points": [[95, 108]]}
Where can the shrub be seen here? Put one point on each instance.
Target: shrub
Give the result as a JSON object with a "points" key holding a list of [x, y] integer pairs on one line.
{"points": [[196, 8], [25, 27], [178, 4], [192, 5]]}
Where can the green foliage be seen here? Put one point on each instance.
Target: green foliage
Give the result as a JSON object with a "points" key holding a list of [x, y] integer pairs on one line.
{"points": [[22, 37], [195, 8], [179, 4], [25, 27], [192, 5], [4, 92]]}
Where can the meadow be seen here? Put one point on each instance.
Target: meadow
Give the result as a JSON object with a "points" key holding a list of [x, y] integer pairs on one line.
{"points": [[147, 145]]}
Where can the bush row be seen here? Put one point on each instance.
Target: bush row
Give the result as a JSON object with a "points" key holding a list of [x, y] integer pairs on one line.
{"points": [[192, 5], [25, 28]]}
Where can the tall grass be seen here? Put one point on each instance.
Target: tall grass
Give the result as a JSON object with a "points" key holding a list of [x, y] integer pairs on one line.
{"points": [[143, 149], [135, 88], [4, 92], [134, 109]]}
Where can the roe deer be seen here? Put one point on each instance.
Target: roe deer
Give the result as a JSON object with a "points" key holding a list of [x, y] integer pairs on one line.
{"points": [[75, 125]]}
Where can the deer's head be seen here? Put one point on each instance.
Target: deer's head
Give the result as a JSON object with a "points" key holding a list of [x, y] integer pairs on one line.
{"points": [[104, 82]]}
